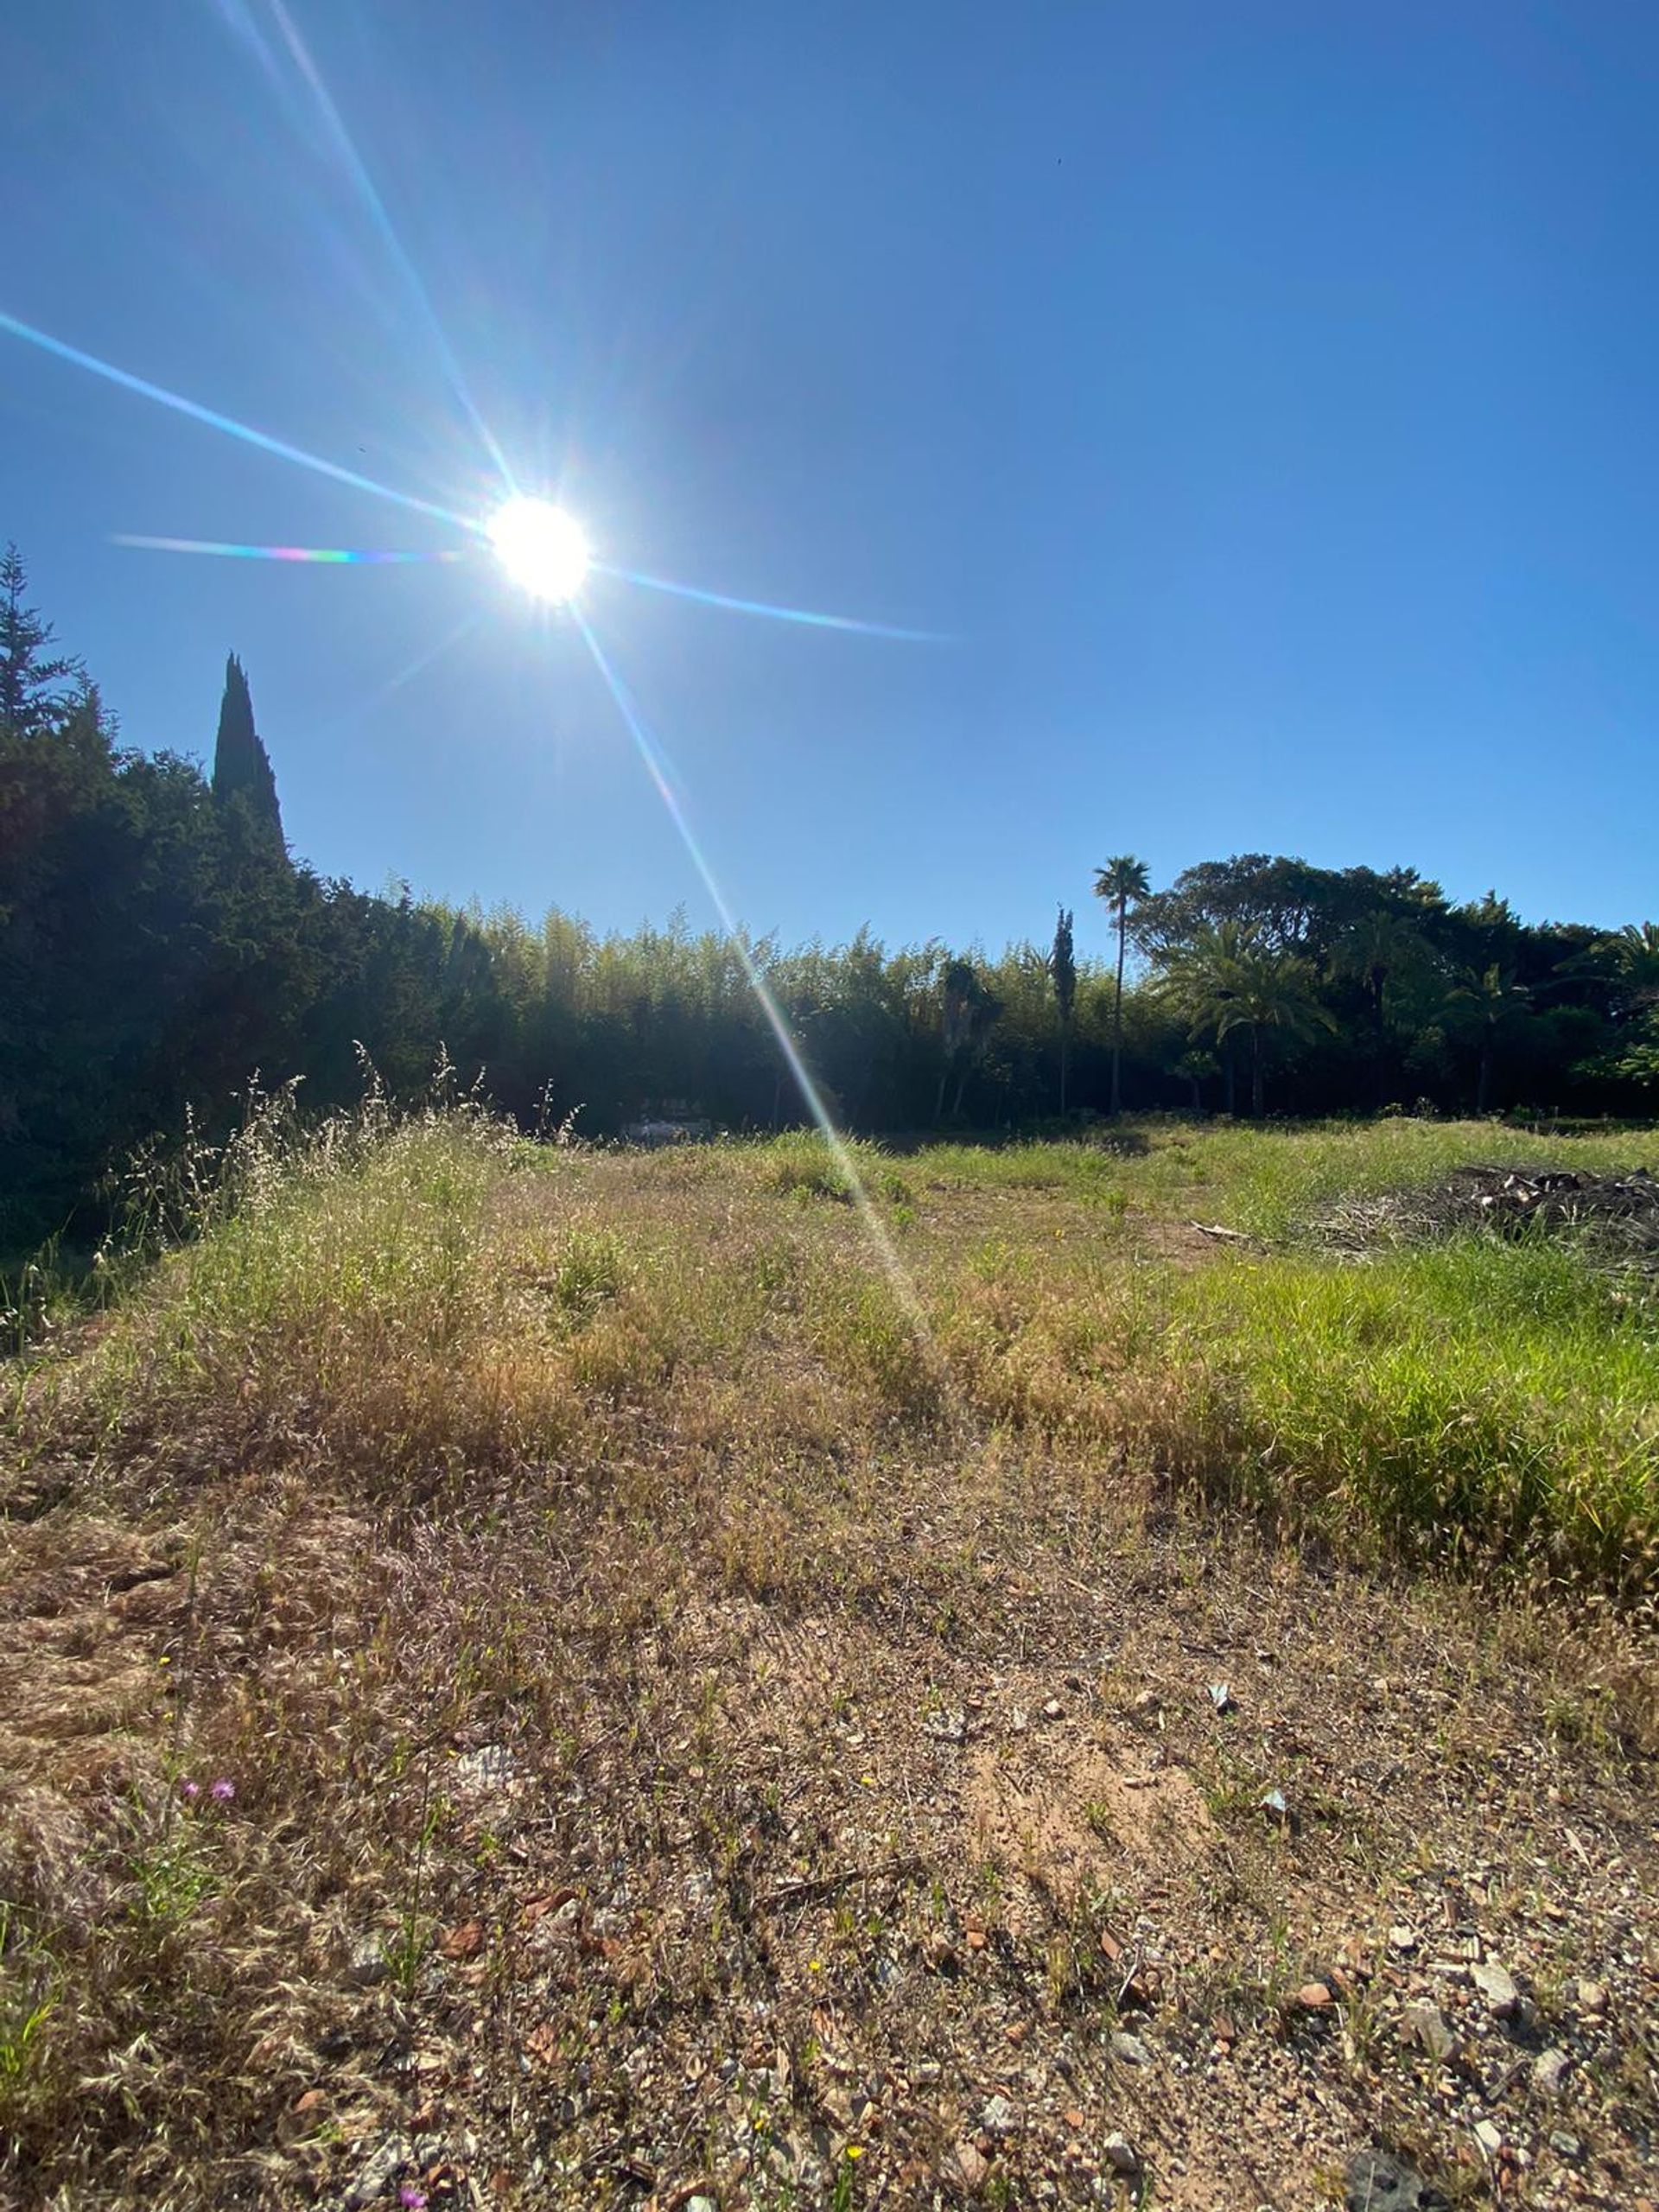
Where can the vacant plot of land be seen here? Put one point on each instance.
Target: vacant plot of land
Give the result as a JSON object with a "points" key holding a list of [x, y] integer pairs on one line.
{"points": [[558, 1678]]}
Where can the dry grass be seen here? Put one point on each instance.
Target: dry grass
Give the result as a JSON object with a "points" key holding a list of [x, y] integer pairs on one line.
{"points": [[686, 1735]]}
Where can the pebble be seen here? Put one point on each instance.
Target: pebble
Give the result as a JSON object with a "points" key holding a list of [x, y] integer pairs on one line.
{"points": [[1131, 2049], [1488, 2137], [998, 2117], [1592, 1997], [1120, 2154], [367, 1964], [701, 2204], [965, 2169], [1314, 1997], [1565, 2145], [1402, 1938], [1549, 2071], [1375, 2182], [377, 2176], [1426, 2026], [1497, 1987]]}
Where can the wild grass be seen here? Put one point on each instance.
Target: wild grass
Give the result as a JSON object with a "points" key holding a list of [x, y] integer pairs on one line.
{"points": [[428, 1443]]}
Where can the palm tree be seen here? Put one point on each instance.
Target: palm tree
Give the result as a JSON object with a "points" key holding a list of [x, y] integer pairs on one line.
{"points": [[1633, 956], [1225, 977], [1376, 946], [1489, 999], [1123, 879]]}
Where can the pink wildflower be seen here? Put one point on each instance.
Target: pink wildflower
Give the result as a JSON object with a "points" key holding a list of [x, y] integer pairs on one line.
{"points": [[222, 1791], [412, 2199], [189, 1790]]}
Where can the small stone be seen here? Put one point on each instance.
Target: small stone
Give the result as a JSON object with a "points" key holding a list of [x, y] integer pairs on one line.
{"points": [[1425, 2025], [1402, 1938], [965, 2169], [1120, 2154], [998, 2117], [1497, 1987], [491, 1767], [1549, 2071], [1052, 1709], [1592, 1997], [1314, 1997], [1222, 1698], [1488, 2137], [701, 2204], [1276, 1802], [1130, 2050], [378, 2175], [1376, 2182], [1565, 2146], [366, 1964]]}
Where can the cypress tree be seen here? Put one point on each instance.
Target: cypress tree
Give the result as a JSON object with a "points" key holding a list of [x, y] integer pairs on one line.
{"points": [[242, 777]]}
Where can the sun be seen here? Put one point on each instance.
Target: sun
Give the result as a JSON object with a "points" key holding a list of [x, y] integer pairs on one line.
{"points": [[540, 547]]}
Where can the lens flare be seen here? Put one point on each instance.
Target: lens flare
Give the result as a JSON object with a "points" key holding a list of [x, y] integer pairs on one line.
{"points": [[178, 405], [773, 612], [540, 547], [334, 556], [893, 1267]]}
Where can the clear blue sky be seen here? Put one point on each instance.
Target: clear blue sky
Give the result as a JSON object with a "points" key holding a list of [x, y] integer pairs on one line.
{"points": [[1266, 397]]}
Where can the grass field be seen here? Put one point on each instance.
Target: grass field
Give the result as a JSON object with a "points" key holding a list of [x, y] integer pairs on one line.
{"points": [[711, 1669]]}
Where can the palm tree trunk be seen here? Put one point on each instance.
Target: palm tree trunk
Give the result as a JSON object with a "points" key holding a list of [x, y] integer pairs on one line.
{"points": [[1117, 1010], [1257, 1084]]}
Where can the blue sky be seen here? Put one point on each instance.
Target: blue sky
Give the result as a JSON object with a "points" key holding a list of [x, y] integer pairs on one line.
{"points": [[1263, 397]]}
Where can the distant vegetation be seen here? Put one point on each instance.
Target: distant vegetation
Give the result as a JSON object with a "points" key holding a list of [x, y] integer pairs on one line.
{"points": [[158, 947]]}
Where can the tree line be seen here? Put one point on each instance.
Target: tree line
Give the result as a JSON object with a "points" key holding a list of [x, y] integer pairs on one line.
{"points": [[159, 946]]}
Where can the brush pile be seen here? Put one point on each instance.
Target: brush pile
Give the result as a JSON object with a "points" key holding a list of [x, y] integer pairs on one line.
{"points": [[1617, 1215]]}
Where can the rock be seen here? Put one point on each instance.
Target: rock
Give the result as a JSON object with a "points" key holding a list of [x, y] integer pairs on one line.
{"points": [[1488, 2137], [1314, 1997], [1592, 1997], [701, 2204], [1130, 2050], [1402, 1939], [1498, 1987], [1120, 2155], [381, 2170], [491, 1767], [1565, 2146], [998, 2117], [1549, 2072], [1375, 2182], [1222, 1698], [366, 1965], [1276, 1802], [1052, 1709], [1425, 2025], [963, 2169]]}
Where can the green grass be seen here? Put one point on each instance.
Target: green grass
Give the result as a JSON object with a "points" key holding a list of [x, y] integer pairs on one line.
{"points": [[1478, 1399], [408, 1301]]}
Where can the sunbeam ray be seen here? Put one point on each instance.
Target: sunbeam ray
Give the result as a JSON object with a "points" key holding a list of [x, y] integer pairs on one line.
{"points": [[418, 666], [357, 169], [773, 613], [335, 555], [650, 752], [214, 420]]}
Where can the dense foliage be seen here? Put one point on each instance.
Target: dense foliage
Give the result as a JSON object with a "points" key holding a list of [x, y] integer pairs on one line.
{"points": [[158, 947]]}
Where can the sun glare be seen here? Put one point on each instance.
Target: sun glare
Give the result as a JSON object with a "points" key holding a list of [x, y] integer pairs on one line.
{"points": [[540, 548]]}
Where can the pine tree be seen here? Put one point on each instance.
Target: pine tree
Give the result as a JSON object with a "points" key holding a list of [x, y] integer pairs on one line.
{"points": [[243, 782], [36, 688]]}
